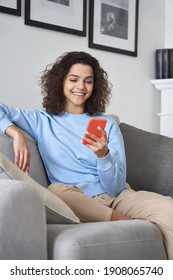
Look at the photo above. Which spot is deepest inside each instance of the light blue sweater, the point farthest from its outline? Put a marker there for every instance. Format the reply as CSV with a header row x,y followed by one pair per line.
x,y
65,158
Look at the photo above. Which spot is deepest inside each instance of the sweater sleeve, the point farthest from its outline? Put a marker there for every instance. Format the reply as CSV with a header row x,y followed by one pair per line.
x,y
112,168
26,120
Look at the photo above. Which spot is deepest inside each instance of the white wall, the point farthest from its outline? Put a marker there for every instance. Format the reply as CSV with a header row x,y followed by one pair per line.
x,y
169,24
26,50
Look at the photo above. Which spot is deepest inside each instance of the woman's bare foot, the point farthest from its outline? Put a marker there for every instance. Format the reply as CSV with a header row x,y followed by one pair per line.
x,y
118,216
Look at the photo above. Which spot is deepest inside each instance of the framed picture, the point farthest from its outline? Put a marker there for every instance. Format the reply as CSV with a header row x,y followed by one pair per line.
x,y
12,7
113,26
67,16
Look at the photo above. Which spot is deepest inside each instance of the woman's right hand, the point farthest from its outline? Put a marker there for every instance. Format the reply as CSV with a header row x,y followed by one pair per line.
x,y
21,151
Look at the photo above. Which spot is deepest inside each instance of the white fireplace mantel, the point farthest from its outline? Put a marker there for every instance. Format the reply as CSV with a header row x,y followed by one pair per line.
x,y
165,86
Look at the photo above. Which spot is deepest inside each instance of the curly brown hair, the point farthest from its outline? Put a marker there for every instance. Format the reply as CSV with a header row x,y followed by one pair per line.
x,y
51,83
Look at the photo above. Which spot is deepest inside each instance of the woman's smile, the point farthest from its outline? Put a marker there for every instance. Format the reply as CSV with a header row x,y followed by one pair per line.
x,y
78,93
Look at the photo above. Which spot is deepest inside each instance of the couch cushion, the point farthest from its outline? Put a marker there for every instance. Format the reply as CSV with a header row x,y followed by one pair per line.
x,y
118,240
57,211
149,160
37,171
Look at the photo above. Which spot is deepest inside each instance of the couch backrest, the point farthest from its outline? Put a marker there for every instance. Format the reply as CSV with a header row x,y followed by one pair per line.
x,y
37,171
149,159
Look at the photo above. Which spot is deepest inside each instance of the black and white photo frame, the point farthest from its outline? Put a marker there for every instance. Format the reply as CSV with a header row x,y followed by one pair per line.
x,y
113,26
12,7
67,16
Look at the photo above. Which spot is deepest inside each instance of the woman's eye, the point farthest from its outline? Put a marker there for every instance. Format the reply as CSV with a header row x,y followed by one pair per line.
x,y
89,81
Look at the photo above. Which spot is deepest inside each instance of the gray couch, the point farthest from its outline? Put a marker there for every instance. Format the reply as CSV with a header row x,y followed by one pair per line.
x,y
35,224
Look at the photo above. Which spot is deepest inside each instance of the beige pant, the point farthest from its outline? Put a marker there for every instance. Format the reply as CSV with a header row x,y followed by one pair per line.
x,y
138,205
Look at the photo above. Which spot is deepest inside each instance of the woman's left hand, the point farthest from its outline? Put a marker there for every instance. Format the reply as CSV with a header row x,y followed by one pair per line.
x,y
96,144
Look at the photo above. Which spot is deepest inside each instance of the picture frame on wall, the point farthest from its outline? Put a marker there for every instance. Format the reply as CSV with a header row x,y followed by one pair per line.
x,y
12,7
113,26
67,16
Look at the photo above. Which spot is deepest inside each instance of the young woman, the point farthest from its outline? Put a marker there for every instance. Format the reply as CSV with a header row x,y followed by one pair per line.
x,y
90,175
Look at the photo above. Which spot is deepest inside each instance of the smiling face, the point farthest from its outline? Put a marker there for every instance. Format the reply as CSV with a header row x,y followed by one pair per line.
x,y
78,87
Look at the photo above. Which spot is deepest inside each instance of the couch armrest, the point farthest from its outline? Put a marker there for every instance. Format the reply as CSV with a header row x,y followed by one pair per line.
x,y
22,222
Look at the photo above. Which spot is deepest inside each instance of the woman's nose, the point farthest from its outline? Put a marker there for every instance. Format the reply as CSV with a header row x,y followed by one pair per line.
x,y
80,84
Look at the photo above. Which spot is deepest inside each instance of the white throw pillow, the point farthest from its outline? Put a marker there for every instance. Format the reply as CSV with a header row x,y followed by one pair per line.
x,y
57,211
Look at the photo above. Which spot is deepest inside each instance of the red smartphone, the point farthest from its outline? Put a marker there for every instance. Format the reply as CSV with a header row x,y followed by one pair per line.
x,y
92,127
